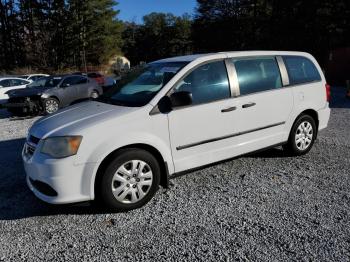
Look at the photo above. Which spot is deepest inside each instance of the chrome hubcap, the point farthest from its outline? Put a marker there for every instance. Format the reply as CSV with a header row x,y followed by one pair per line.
x,y
132,181
304,135
94,95
51,106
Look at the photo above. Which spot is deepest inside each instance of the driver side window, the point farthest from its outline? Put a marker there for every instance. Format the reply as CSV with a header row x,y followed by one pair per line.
x,y
69,81
206,83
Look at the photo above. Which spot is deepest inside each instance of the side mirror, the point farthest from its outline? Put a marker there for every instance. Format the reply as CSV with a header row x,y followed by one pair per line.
x,y
1,86
166,104
182,98
65,85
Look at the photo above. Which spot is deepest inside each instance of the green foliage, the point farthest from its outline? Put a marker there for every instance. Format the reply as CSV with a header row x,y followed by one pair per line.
x,y
315,26
48,34
58,34
95,31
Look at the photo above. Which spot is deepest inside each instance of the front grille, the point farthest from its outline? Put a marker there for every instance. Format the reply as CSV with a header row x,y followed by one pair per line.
x,y
43,188
16,100
29,149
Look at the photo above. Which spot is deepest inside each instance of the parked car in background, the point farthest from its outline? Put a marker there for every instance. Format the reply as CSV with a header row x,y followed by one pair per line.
x,y
33,77
174,115
48,94
99,78
110,83
10,83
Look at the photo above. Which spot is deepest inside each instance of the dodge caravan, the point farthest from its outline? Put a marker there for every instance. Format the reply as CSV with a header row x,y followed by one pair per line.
x,y
174,115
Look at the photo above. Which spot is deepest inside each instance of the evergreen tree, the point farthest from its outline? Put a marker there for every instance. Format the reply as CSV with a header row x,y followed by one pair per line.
x,y
95,33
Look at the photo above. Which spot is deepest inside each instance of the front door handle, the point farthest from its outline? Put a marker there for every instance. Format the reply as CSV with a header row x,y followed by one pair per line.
x,y
233,108
248,105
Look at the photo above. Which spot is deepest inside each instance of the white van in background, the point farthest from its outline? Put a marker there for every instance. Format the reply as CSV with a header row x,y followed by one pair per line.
x,y
174,115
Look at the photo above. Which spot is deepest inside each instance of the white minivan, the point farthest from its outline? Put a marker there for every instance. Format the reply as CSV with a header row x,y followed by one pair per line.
x,y
174,115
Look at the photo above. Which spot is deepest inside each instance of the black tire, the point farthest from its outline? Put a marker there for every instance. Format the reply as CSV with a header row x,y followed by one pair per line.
x,y
294,148
49,110
105,191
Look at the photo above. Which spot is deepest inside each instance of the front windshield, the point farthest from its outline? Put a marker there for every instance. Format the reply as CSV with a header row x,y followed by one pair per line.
x,y
141,84
46,82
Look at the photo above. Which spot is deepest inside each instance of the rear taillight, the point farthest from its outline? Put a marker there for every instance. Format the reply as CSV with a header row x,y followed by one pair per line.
x,y
328,92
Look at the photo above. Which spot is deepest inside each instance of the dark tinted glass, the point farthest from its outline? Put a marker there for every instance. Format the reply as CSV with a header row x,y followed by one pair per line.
x,y
34,78
93,75
207,83
46,82
257,75
18,82
301,70
74,80
81,80
5,83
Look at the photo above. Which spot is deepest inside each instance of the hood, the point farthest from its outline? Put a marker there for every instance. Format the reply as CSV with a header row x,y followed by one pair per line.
x,y
25,92
74,119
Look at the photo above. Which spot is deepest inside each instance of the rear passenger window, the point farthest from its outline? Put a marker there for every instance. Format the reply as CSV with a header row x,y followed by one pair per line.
x,y
301,70
257,74
81,80
207,83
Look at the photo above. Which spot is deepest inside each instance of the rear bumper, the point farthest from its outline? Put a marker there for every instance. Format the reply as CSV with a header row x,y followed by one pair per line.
x,y
323,117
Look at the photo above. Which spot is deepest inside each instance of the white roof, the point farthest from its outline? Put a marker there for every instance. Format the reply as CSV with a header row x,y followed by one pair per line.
x,y
190,58
9,77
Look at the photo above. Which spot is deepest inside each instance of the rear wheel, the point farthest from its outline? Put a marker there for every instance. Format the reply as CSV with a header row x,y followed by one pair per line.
x,y
51,105
130,181
302,136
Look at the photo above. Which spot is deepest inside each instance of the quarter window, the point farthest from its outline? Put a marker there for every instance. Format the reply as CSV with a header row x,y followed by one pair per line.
x,y
5,83
301,70
73,80
81,80
257,74
18,82
207,83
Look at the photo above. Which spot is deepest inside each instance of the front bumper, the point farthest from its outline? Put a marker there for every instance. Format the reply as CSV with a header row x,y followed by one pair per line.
x,y
71,183
15,105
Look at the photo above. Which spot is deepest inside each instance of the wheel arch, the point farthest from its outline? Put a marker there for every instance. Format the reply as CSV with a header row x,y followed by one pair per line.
x,y
52,96
312,113
164,178
95,90
48,97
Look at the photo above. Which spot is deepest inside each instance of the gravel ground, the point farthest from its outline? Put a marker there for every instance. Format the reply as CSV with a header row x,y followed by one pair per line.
x,y
261,207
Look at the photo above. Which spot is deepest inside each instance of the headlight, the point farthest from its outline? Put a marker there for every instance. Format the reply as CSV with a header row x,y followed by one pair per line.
x,y
60,147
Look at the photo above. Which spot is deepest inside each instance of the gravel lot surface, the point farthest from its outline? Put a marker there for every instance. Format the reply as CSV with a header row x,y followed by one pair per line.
x,y
266,206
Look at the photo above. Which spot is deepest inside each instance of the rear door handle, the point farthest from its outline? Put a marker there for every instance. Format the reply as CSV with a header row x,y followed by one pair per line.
x,y
248,105
233,108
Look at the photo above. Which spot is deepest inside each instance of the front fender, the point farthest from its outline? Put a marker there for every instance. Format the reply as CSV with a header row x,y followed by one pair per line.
x,y
106,148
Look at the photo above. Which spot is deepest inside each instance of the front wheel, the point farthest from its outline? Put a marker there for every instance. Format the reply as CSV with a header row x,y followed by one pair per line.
x,y
94,94
51,105
130,181
302,136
